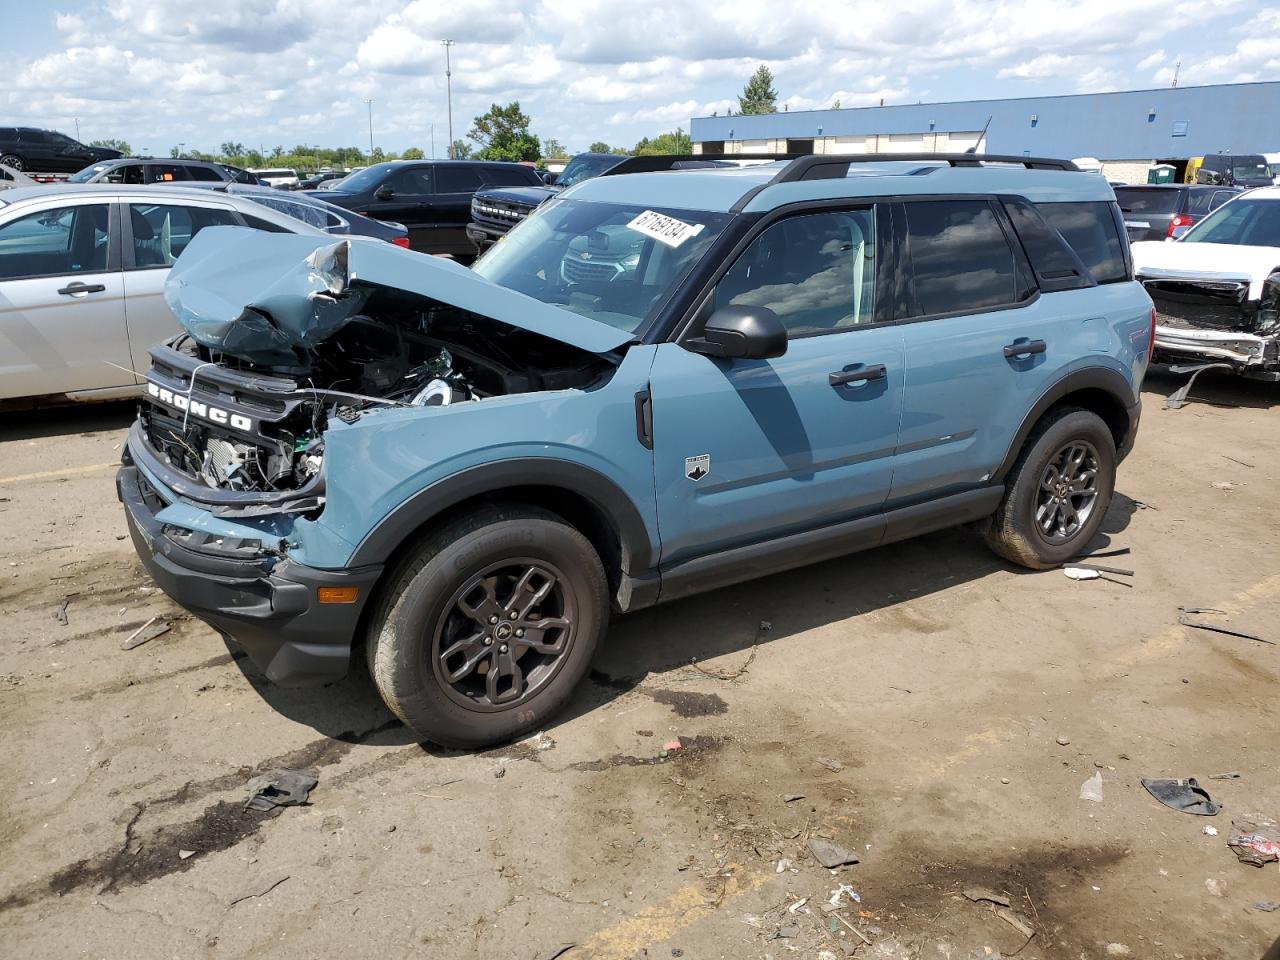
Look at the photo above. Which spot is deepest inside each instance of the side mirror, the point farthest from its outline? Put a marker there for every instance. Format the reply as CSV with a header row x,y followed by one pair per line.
x,y
741,333
384,192
550,178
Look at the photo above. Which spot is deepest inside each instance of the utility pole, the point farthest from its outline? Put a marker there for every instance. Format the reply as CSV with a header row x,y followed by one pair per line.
x,y
448,86
77,119
369,103
433,141
1177,68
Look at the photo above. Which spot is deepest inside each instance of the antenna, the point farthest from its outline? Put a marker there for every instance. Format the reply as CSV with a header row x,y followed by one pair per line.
x,y
1177,68
982,136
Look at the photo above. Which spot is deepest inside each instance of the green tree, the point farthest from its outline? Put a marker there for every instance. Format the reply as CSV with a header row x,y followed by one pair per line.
x,y
232,149
503,134
551,147
461,150
413,153
759,96
835,104
599,147
277,153
674,143
120,145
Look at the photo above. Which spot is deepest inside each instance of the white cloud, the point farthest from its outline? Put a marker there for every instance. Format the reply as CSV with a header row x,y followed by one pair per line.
x,y
299,70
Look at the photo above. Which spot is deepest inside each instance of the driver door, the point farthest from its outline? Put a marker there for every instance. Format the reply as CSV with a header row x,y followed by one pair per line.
x,y
747,451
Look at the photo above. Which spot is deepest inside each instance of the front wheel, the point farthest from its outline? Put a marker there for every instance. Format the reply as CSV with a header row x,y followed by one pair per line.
x,y
1058,491
488,626
13,162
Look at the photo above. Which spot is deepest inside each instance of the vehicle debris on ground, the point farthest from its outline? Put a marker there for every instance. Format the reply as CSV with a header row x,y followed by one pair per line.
x,y
1184,795
279,788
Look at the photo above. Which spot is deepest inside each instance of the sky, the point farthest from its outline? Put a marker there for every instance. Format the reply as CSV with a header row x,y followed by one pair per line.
x,y
285,72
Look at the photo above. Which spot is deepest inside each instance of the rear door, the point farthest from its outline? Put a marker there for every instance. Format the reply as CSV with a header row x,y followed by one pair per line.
x,y
411,202
982,347
62,317
456,184
153,237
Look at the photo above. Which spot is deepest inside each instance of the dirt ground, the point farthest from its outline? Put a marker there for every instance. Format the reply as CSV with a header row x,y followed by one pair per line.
x,y
937,709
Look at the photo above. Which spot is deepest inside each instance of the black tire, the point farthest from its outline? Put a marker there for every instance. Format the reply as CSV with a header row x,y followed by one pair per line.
x,y
13,162
422,615
1014,532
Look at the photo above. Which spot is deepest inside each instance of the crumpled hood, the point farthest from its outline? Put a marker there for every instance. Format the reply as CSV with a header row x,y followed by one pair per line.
x,y
267,297
1207,261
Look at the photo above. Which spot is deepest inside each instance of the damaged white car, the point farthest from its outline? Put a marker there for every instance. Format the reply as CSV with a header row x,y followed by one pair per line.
x,y
1217,290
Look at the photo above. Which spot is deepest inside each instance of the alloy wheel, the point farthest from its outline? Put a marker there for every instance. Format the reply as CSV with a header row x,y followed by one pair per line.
x,y
1068,492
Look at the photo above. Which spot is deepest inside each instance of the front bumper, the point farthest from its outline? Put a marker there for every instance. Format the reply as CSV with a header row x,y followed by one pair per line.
x,y
484,235
267,604
1246,352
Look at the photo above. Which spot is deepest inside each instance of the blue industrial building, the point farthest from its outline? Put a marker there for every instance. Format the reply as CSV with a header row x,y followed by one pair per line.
x,y
1133,125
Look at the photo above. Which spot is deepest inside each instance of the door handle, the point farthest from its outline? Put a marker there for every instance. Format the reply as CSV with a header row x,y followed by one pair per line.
x,y
1024,348
875,371
73,289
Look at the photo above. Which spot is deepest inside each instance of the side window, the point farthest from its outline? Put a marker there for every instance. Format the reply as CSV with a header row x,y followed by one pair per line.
x,y
519,176
162,231
1054,263
817,272
125,173
960,258
457,179
202,173
168,172
1219,198
1091,230
265,225
59,242
317,216
1198,201
413,182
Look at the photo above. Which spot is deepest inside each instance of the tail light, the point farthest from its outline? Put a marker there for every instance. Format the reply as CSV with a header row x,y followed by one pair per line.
x,y
404,242
1151,341
1179,220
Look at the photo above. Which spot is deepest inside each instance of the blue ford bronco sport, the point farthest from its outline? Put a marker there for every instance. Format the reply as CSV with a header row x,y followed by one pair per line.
x,y
659,384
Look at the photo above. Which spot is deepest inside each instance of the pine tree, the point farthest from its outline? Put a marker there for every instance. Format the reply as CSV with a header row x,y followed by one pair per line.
x,y
759,96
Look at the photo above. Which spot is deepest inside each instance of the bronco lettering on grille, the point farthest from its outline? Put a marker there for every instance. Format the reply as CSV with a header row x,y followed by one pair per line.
x,y
198,408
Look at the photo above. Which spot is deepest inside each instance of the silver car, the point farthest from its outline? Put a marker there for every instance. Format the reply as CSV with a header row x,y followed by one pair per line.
x,y
82,271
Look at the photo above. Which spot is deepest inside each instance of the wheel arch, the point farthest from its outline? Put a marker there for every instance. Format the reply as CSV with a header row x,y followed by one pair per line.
x,y
1098,389
588,500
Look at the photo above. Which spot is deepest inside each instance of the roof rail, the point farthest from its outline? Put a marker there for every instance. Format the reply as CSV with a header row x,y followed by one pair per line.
x,y
834,167
650,163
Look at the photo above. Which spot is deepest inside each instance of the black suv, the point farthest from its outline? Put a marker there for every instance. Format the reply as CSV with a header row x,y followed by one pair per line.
x,y
494,212
46,151
1168,210
138,170
430,197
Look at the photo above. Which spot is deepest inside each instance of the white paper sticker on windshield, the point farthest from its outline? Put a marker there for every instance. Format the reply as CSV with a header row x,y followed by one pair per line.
x,y
664,229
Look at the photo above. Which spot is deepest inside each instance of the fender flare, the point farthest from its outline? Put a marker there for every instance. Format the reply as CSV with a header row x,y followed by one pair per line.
x,y
1091,378
638,551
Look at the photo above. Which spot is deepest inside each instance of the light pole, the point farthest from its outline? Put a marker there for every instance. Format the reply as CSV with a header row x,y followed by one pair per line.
x,y
369,103
77,119
448,86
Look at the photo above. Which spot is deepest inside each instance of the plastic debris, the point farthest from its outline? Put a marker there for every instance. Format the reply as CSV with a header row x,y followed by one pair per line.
x,y
1215,886
1082,573
783,865
792,797
1268,906
843,889
61,613
797,905
830,854
835,766
279,788
186,854
1255,839
1222,485
1184,618
1062,741
1186,796
155,627
1210,831
1091,789
672,745
1118,950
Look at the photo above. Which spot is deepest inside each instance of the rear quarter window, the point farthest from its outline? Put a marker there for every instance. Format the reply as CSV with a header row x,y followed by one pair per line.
x,y
1091,230
511,177
1146,200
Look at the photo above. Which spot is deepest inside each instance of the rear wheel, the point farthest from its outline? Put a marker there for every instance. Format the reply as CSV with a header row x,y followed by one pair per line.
x,y
488,626
1058,491
13,162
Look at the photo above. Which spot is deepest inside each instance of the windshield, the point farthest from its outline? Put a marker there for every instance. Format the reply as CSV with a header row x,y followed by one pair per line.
x,y
585,166
87,174
1249,168
611,262
1242,221
364,179
1147,199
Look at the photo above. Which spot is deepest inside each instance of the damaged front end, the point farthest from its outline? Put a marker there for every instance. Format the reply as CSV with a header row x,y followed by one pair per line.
x,y
285,335
1218,319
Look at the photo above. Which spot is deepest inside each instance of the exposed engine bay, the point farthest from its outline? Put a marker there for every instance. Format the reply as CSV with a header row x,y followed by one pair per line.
x,y
235,425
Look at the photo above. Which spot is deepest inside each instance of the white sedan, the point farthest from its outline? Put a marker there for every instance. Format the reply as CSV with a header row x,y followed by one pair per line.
x,y
1217,289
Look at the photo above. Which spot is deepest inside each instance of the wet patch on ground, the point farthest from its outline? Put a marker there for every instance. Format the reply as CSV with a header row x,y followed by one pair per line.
x,y
692,748
688,703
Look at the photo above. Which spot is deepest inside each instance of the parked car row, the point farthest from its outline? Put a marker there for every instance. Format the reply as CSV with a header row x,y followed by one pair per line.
x,y
47,151
142,170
